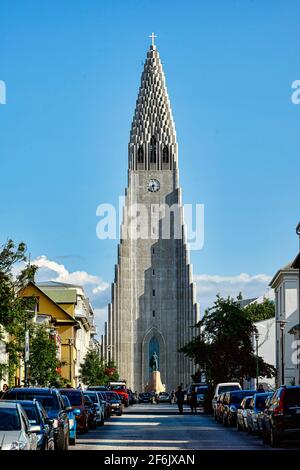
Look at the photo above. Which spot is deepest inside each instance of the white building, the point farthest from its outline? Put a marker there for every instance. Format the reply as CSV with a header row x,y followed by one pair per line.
x,y
285,283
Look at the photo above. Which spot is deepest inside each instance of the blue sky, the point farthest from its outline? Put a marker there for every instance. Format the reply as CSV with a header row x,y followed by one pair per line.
x,y
72,71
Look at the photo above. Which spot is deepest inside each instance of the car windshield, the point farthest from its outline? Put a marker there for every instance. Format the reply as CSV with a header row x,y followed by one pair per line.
x,y
292,397
201,389
49,402
9,419
237,397
75,398
227,388
260,402
92,396
32,413
112,396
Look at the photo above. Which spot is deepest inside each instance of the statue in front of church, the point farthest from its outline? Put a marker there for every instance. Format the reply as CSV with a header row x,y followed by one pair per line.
x,y
154,362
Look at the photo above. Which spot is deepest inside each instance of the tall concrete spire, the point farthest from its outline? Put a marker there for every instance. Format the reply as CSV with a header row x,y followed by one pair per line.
x,y
153,117
153,307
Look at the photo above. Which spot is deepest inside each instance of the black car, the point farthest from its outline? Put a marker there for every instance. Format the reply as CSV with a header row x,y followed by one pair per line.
x,y
281,418
145,397
115,401
52,402
232,402
89,405
39,419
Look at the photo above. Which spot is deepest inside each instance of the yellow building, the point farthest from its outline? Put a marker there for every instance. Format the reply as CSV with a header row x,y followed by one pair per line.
x,y
62,319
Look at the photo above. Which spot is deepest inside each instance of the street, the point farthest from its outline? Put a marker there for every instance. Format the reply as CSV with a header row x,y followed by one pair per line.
x,y
160,427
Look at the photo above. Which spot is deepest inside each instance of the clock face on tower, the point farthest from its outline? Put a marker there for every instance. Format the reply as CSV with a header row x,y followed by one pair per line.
x,y
153,185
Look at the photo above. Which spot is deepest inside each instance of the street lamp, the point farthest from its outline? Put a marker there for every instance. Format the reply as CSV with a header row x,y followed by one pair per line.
x,y
282,324
256,343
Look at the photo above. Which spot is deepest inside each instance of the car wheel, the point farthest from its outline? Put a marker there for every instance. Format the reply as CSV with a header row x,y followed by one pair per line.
x,y
274,440
119,413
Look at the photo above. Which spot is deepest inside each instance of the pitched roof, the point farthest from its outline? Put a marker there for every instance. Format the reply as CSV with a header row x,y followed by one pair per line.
x,y
71,319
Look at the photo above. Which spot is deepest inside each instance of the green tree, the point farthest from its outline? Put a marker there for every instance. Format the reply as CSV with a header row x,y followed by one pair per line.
x,y
92,369
95,371
43,358
223,348
16,312
258,312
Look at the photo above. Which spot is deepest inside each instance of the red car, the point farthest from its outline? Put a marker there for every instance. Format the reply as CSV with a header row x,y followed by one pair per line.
x,y
121,389
76,398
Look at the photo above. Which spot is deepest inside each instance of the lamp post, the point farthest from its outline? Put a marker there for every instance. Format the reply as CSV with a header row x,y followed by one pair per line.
x,y
256,344
282,324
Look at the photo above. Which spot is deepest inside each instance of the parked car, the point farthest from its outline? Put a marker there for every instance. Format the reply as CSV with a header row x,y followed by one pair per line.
x,y
40,423
92,411
99,406
282,416
15,430
115,403
242,414
131,396
260,415
164,397
218,414
52,401
145,397
232,402
72,421
121,389
257,406
98,388
106,404
224,387
81,413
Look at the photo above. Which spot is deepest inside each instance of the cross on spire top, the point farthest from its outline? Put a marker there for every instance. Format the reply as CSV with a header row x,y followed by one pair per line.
x,y
152,38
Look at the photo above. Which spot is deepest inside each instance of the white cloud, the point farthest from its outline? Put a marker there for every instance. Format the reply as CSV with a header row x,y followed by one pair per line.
x,y
208,286
96,288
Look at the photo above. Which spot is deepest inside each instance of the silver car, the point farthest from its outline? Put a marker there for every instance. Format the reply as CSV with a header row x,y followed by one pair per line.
x,y
15,430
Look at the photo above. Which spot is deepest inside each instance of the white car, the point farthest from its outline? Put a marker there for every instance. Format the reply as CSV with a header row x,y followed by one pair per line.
x,y
224,387
15,430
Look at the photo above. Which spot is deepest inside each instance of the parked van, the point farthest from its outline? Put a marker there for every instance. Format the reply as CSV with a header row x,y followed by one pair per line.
x,y
222,388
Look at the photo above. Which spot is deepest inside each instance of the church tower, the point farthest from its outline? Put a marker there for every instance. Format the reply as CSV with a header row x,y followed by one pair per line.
x,y
153,307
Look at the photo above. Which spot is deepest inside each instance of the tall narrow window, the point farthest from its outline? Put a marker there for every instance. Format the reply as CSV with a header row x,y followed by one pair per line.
x,y
165,155
152,149
153,313
140,155
153,292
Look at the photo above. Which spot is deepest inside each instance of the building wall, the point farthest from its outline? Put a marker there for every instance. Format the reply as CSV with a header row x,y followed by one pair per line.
x,y
286,309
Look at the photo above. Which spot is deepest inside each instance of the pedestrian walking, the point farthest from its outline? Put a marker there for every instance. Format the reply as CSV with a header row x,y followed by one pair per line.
x,y
5,388
193,402
180,399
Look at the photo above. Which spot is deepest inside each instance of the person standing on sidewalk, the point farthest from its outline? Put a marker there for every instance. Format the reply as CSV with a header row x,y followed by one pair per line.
x,y
180,399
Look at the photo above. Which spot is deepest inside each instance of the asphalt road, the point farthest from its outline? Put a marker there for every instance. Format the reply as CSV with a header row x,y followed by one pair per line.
x,y
160,427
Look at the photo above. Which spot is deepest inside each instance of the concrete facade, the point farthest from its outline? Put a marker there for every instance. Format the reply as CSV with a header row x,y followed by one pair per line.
x,y
153,295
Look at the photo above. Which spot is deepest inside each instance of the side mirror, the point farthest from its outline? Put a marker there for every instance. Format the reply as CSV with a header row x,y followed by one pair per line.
x,y
35,428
